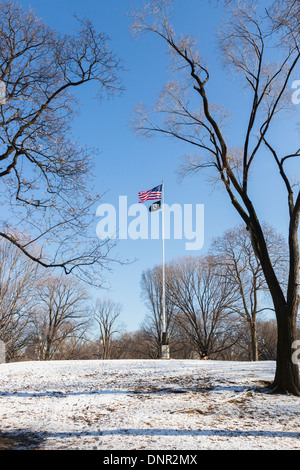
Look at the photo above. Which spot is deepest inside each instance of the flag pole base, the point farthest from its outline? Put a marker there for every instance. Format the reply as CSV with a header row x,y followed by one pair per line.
x,y
165,352
165,348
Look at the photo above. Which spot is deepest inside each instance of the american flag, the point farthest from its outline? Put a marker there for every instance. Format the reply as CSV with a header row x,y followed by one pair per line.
x,y
150,195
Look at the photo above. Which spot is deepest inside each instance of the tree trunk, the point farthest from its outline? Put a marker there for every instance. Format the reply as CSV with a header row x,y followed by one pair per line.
x,y
253,327
287,379
47,350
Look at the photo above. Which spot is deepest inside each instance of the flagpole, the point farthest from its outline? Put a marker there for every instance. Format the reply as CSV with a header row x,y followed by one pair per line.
x,y
165,344
163,263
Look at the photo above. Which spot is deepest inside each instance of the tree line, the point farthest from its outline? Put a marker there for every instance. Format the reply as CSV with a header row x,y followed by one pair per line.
x,y
45,315
214,308
213,302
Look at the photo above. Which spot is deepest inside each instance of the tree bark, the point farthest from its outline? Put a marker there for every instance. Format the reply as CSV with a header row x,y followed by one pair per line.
x,y
287,372
253,327
287,379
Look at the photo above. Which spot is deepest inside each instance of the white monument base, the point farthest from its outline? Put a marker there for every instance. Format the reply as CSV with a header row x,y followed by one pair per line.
x,y
165,351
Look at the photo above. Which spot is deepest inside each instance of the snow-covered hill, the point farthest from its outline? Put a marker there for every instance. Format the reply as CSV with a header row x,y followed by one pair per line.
x,y
147,405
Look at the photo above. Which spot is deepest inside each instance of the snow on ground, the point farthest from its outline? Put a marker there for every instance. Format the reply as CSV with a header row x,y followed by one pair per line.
x,y
144,405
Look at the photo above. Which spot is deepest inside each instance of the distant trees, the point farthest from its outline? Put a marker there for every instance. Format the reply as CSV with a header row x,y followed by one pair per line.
x,y
199,305
152,293
244,269
140,345
214,302
204,298
52,318
106,315
17,297
198,302
60,311
214,307
39,312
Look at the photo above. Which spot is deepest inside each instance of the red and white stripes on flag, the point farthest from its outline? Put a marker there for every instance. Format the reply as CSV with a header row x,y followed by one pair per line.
x,y
151,195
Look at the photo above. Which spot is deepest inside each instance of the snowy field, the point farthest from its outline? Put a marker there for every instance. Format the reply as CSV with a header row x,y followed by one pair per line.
x,y
144,405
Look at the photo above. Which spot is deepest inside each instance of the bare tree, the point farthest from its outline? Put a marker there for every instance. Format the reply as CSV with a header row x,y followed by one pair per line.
x,y
106,315
45,174
244,269
205,300
267,332
61,312
18,278
75,346
152,293
249,38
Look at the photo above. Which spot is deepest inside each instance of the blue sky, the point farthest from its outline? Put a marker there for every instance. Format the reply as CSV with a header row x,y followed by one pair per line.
x,y
127,164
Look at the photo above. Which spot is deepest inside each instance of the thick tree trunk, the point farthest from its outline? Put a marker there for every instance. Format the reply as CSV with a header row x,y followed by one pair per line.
x,y
253,327
47,350
287,379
